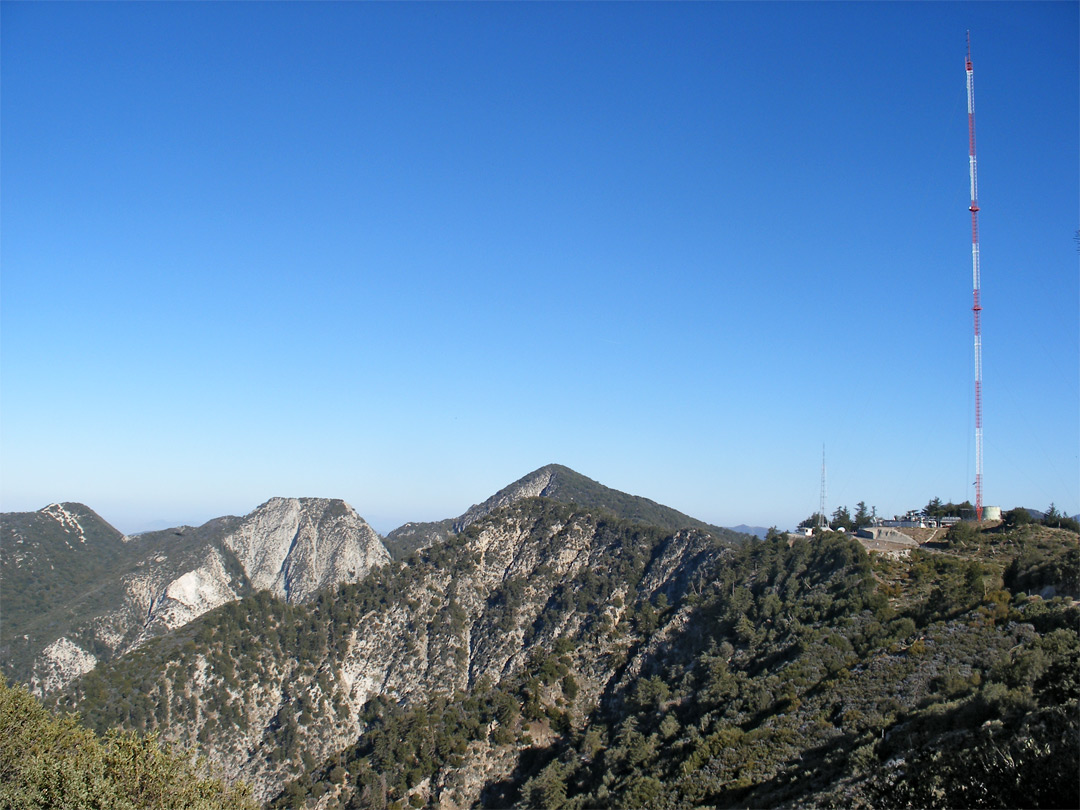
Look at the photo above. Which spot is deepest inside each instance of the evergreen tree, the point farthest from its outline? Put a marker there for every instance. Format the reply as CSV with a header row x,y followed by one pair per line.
x,y
841,519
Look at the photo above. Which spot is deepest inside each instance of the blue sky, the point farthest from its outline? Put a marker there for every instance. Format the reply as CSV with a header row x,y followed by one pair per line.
x,y
403,254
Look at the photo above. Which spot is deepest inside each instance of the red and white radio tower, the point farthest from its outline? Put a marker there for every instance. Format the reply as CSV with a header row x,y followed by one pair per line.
x,y
976,306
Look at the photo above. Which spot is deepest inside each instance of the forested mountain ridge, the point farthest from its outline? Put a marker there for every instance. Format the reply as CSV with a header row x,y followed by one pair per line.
x,y
76,591
52,560
812,675
561,484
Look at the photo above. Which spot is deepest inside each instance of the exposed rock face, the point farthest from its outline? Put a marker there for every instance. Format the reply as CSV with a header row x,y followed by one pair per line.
x,y
533,485
120,591
281,683
292,547
186,597
60,663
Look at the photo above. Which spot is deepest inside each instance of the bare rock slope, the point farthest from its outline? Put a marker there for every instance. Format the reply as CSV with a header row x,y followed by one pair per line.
x,y
76,591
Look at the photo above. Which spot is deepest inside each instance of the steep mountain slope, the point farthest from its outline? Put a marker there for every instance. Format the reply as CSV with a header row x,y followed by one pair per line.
x,y
267,689
798,674
293,547
410,537
566,486
560,484
76,591
75,588
51,558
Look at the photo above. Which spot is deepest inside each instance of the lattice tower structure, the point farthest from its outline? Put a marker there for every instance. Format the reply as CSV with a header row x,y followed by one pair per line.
x,y
976,281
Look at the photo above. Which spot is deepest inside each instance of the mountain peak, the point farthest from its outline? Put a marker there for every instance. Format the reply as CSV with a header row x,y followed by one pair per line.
x,y
72,516
294,546
537,484
561,483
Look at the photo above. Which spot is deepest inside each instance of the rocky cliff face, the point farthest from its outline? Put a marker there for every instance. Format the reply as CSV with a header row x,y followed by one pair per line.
x,y
293,547
115,592
534,485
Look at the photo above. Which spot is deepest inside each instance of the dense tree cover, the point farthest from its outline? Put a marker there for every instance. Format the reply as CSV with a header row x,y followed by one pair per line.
x,y
569,488
413,537
798,682
750,596
1052,518
1051,570
1058,520
404,748
842,518
1017,517
50,761
45,570
199,684
936,508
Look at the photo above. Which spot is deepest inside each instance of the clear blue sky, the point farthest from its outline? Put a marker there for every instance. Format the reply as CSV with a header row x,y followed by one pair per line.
x,y
403,254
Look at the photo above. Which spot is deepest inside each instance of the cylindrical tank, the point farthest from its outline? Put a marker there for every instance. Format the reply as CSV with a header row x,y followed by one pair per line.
x,y
991,513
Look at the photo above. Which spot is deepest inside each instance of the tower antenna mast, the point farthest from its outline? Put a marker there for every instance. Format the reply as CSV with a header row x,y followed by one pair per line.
x,y
823,522
976,281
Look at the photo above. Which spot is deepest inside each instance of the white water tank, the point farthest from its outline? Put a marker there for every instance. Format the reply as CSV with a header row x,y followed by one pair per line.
x,y
991,513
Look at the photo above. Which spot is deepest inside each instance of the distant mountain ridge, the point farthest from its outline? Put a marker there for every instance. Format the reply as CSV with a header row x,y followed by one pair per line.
x,y
560,484
77,591
758,531
553,652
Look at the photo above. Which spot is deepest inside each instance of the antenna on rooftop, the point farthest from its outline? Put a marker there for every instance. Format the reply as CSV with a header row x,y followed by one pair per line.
x,y
976,281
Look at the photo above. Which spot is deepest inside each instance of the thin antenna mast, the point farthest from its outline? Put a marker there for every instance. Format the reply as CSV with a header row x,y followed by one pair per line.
x,y
822,521
976,280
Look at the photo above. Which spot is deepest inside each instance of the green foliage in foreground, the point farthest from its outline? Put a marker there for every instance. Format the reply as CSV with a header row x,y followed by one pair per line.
x,y
50,761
